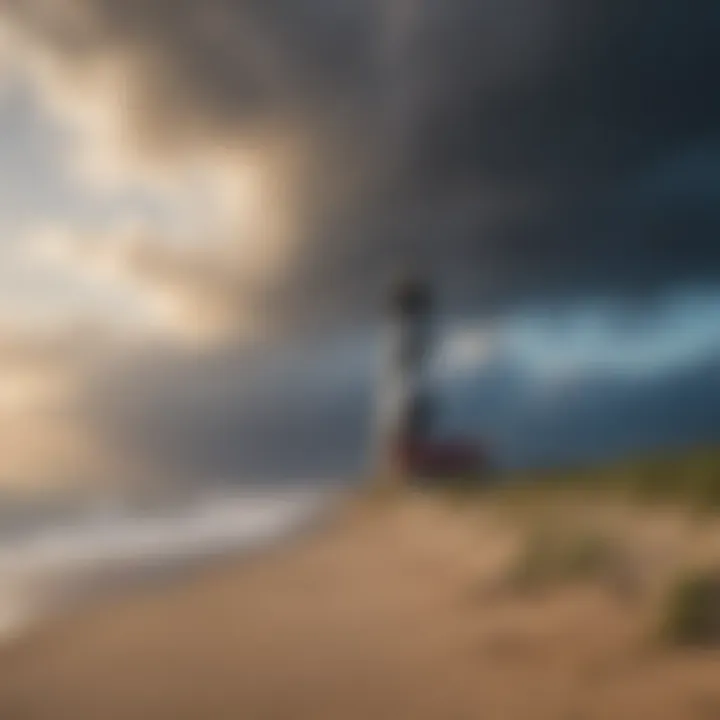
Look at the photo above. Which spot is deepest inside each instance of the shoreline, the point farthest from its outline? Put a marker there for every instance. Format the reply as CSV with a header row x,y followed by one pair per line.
x,y
385,613
148,575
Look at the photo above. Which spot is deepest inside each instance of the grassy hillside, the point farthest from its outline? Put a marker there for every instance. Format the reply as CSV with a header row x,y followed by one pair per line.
x,y
690,478
570,535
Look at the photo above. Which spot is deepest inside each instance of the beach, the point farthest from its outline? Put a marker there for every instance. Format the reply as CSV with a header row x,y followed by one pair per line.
x,y
383,613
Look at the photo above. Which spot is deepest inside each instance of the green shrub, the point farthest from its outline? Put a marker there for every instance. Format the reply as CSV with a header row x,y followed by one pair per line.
x,y
691,615
588,556
551,557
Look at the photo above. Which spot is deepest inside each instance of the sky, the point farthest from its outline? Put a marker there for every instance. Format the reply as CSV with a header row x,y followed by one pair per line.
x,y
202,206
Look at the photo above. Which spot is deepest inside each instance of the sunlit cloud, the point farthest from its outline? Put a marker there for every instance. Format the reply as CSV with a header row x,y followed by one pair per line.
x,y
44,440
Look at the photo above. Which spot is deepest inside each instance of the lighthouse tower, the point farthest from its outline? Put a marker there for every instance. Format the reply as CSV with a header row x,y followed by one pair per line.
x,y
405,404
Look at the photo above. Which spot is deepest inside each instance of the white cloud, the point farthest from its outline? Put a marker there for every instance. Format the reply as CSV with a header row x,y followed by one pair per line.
x,y
464,350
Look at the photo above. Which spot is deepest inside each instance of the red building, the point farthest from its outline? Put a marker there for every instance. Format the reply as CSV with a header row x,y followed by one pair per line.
x,y
427,458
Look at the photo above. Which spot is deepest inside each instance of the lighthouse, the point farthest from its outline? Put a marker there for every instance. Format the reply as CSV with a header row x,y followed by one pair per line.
x,y
408,444
405,414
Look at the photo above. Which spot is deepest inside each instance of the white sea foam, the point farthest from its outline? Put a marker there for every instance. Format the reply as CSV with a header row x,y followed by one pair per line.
x,y
114,547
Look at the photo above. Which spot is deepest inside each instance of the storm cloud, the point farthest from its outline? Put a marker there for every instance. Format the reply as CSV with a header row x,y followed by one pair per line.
x,y
485,140
518,152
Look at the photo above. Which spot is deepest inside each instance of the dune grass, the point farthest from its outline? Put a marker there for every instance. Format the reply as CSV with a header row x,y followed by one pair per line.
x,y
691,614
551,556
690,479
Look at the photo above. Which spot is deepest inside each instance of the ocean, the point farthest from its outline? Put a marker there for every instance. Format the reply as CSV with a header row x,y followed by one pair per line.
x,y
60,563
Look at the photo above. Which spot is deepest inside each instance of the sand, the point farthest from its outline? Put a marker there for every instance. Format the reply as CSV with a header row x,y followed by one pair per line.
x,y
385,615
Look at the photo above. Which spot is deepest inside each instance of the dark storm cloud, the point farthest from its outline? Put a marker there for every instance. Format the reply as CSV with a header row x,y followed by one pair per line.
x,y
486,140
526,164
535,180
520,151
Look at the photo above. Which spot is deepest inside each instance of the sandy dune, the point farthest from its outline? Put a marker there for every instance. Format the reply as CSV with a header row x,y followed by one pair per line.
x,y
386,615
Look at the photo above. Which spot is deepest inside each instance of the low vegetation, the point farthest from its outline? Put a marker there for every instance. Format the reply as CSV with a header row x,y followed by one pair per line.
x,y
690,479
558,550
691,613
550,557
